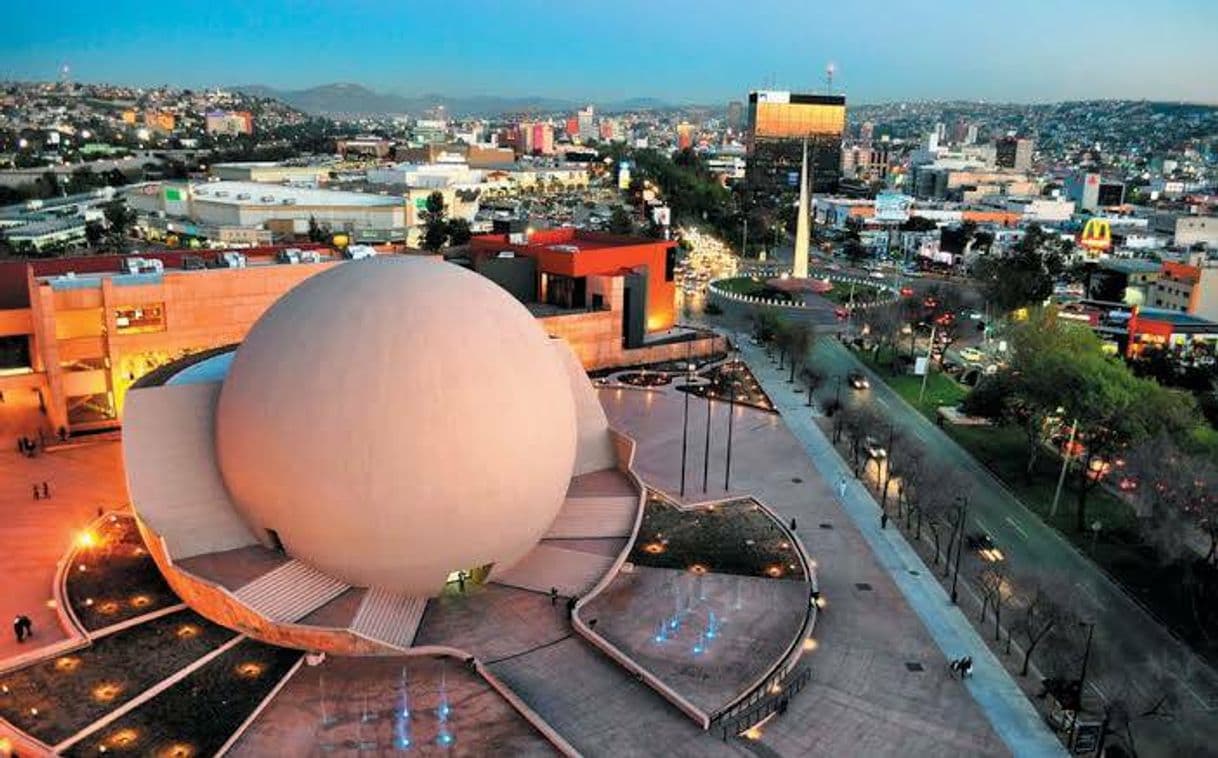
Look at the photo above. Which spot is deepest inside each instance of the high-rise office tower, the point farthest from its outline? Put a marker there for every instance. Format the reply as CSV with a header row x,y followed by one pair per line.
x,y
778,124
587,125
1013,152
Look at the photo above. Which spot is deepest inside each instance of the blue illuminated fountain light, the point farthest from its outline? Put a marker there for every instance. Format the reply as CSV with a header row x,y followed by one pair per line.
x,y
694,617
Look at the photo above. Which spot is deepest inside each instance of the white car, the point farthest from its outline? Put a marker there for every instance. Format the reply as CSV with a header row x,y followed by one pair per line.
x,y
972,355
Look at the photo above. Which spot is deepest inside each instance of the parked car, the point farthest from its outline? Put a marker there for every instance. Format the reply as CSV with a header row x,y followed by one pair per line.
x,y
972,355
858,381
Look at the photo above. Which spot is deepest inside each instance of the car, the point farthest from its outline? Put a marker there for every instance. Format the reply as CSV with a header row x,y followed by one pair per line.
x,y
874,449
985,547
877,275
858,381
907,292
972,355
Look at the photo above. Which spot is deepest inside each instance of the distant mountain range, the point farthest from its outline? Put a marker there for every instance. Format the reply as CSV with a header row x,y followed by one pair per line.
x,y
357,100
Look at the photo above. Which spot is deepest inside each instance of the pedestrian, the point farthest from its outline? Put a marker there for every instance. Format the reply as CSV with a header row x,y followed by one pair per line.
x,y
461,581
792,524
27,625
553,596
19,629
841,486
966,667
36,495
46,491
883,519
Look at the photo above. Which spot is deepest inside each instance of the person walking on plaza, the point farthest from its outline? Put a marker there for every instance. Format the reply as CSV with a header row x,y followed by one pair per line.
x,y
36,495
46,491
19,629
553,596
792,524
841,486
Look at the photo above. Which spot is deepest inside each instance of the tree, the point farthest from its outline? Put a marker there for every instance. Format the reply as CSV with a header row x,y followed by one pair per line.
x,y
95,231
1025,276
1044,611
799,339
459,232
436,232
620,222
812,380
991,585
854,251
857,423
119,220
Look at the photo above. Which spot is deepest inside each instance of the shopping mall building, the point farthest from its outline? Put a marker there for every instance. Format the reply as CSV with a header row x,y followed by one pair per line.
x,y
76,333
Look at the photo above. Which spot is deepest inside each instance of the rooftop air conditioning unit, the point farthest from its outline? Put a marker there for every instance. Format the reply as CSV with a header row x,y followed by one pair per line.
x,y
289,201
268,198
243,196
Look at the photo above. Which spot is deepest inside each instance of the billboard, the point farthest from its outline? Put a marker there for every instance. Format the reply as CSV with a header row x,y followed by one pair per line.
x,y
1096,237
892,206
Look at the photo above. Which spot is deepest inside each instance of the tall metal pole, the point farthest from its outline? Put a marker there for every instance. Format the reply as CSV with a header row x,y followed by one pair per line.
x,y
929,349
959,547
1082,675
1061,478
744,239
731,415
706,450
685,430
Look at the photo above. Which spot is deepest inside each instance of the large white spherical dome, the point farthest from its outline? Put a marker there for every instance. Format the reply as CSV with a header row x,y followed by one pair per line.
x,y
397,419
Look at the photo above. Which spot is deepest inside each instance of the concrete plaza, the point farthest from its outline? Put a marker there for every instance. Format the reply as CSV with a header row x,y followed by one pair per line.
x,y
36,534
879,682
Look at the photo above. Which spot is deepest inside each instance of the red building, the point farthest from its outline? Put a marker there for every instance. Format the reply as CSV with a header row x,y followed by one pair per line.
x,y
560,262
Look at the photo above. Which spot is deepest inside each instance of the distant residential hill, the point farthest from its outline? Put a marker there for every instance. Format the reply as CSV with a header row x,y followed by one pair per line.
x,y
357,100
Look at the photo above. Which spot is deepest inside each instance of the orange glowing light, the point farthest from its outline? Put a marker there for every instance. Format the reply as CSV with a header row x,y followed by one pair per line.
x,y
698,568
810,644
177,750
107,691
123,738
108,607
67,663
140,601
774,571
250,670
86,539
654,548
187,631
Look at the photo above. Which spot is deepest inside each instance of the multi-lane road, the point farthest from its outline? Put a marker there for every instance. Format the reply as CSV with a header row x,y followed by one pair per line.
x,y
1129,632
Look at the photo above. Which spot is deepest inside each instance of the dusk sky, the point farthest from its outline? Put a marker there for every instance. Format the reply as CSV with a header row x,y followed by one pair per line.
x,y
704,52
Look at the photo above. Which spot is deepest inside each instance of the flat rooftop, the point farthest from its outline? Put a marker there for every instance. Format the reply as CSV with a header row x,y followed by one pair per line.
x,y
1175,317
260,194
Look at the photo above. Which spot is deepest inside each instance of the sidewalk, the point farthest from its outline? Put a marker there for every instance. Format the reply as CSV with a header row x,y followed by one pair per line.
x,y
1004,704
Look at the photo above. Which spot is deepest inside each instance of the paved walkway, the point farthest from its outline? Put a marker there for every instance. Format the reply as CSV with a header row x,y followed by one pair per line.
x,y
37,533
1004,704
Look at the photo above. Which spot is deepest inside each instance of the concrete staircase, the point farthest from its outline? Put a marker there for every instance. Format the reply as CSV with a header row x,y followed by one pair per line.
x,y
599,505
290,592
573,572
389,617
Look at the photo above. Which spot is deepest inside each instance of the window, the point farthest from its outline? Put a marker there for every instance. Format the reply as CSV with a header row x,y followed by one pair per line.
x,y
136,319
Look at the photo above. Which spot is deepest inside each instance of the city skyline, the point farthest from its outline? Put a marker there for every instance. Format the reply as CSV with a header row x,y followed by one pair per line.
x,y
881,52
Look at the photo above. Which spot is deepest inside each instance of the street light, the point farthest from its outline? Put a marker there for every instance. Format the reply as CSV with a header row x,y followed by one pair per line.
x,y
706,450
731,414
959,544
689,375
1082,674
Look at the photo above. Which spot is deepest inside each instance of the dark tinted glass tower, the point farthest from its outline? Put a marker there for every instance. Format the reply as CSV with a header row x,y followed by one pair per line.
x,y
778,123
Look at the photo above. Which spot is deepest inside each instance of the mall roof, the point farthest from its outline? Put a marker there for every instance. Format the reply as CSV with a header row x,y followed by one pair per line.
x,y
257,193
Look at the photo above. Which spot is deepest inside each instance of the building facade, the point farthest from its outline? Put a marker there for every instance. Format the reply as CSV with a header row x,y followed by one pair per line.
x,y
778,124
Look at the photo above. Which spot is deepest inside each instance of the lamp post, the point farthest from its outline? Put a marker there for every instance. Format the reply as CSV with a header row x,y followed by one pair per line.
x,y
689,373
731,415
959,545
1082,674
706,450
